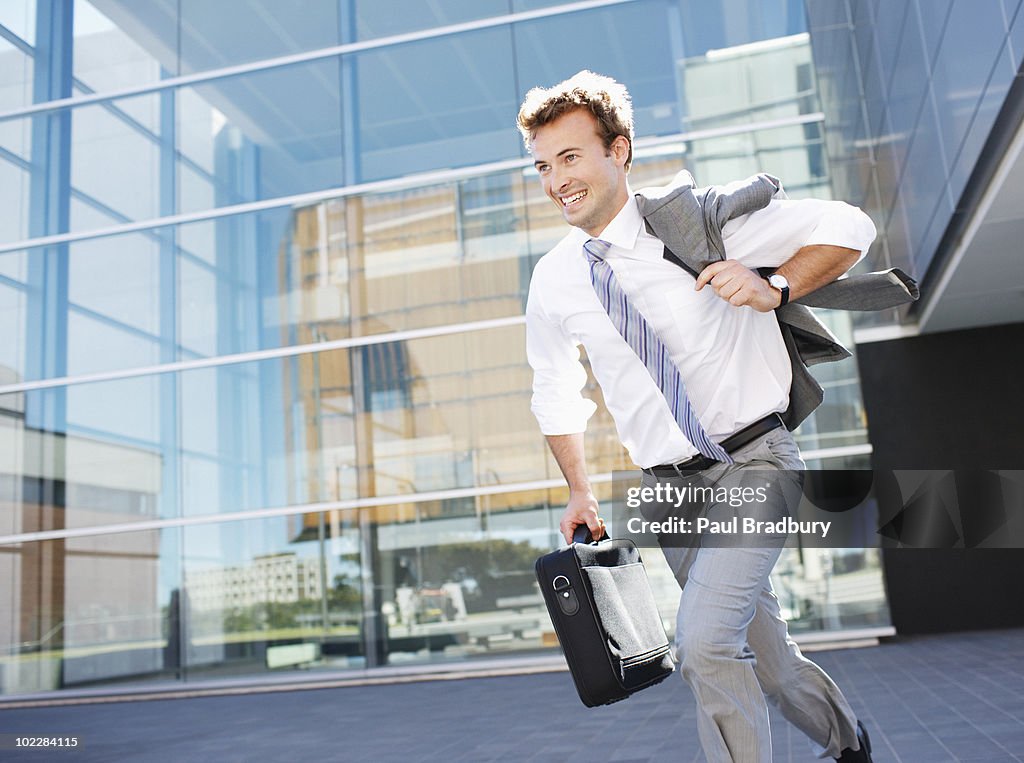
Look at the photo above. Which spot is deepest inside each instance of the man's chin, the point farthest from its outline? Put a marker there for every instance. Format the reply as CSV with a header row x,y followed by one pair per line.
x,y
574,217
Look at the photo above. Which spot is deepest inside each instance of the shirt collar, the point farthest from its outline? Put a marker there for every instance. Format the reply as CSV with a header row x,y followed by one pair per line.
x,y
622,232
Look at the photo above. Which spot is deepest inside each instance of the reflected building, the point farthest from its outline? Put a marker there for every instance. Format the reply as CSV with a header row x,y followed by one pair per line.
x,y
262,284
272,579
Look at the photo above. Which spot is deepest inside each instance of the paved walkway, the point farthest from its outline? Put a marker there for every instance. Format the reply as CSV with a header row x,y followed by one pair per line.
x,y
925,700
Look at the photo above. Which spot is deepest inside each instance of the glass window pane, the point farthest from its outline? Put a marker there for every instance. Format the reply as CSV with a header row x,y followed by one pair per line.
x,y
631,43
426,257
531,5
751,83
260,136
115,158
429,414
16,75
450,412
231,32
19,16
92,340
16,67
13,305
244,139
456,581
830,589
436,104
375,19
131,299
275,594
707,26
87,610
793,154
442,254
14,205
119,45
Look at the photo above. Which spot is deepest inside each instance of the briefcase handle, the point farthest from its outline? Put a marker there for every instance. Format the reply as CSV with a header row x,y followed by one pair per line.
x,y
582,535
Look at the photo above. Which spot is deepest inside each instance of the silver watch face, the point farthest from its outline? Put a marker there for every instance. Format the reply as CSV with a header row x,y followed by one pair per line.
x,y
778,281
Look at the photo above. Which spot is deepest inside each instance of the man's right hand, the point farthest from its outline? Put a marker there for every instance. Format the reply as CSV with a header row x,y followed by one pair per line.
x,y
582,509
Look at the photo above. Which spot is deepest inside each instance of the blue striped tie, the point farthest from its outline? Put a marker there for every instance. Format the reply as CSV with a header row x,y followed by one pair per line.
x,y
648,347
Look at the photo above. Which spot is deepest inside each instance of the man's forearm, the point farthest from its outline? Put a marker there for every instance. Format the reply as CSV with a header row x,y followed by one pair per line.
x,y
816,265
569,454
582,508
810,268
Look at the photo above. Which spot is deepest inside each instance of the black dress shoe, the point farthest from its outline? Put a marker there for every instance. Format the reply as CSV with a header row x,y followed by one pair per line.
x,y
863,755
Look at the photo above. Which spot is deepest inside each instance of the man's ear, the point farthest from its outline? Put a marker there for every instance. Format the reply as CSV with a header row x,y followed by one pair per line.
x,y
620,149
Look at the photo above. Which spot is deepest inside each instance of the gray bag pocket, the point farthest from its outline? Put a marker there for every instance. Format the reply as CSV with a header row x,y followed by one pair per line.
x,y
633,631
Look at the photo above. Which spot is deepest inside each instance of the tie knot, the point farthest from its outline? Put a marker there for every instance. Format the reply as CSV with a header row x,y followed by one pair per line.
x,y
596,249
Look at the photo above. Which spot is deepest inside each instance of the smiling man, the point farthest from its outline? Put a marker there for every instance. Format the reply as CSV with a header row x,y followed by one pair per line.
x,y
691,358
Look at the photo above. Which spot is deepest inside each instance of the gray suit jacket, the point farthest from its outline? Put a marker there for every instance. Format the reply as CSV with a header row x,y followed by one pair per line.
x,y
689,222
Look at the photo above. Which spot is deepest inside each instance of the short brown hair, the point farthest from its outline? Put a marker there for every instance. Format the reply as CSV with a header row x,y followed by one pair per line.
x,y
602,96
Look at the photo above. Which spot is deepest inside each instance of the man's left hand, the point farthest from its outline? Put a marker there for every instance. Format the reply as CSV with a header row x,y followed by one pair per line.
x,y
739,285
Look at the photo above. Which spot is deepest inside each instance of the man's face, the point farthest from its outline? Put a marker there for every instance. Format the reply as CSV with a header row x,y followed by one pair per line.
x,y
585,181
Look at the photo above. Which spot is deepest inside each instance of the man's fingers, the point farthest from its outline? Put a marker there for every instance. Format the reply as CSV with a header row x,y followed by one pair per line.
x,y
582,511
727,287
595,526
710,272
732,282
738,296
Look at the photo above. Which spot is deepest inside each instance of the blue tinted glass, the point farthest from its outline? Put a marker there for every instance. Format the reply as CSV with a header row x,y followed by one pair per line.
x,y
425,257
259,136
530,5
121,314
19,17
119,45
115,161
959,80
376,19
14,201
707,26
229,32
16,67
12,324
448,102
631,43
291,579
229,141
125,411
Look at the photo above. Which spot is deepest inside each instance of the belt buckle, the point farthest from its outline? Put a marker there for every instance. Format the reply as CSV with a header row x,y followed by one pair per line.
x,y
698,465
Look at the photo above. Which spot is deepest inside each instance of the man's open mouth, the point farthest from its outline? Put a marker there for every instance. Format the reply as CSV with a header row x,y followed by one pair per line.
x,y
567,200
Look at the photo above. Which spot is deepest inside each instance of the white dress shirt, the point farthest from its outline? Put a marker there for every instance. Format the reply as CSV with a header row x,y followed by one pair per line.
x,y
732,359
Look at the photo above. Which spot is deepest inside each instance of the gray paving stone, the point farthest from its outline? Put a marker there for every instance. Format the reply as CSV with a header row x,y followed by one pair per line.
x,y
956,697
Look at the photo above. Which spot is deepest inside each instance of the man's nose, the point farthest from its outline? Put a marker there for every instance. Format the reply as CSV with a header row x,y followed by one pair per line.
x,y
559,179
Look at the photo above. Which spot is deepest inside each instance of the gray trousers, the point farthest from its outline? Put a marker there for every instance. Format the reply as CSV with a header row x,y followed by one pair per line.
x,y
732,643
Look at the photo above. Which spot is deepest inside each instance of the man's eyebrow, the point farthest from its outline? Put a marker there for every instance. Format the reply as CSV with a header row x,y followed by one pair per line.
x,y
560,153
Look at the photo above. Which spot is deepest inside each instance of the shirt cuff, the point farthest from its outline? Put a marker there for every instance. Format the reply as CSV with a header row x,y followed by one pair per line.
x,y
563,418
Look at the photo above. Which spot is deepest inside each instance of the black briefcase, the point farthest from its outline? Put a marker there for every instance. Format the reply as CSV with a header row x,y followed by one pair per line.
x,y
605,617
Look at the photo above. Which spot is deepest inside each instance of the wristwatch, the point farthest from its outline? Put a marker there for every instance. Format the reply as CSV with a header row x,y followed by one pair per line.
x,y
777,281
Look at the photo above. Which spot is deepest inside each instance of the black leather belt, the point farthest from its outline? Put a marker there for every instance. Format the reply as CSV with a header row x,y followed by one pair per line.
x,y
730,444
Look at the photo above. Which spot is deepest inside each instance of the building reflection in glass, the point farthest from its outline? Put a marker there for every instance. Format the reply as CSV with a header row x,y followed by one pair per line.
x,y
316,412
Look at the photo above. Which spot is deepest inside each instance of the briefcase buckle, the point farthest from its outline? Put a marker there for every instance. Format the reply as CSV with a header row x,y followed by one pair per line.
x,y
567,600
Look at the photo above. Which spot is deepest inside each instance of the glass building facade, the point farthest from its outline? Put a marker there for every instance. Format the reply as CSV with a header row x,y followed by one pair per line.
x,y
264,402
910,114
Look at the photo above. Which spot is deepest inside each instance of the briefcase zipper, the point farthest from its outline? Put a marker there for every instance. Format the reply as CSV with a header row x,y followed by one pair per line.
x,y
650,656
